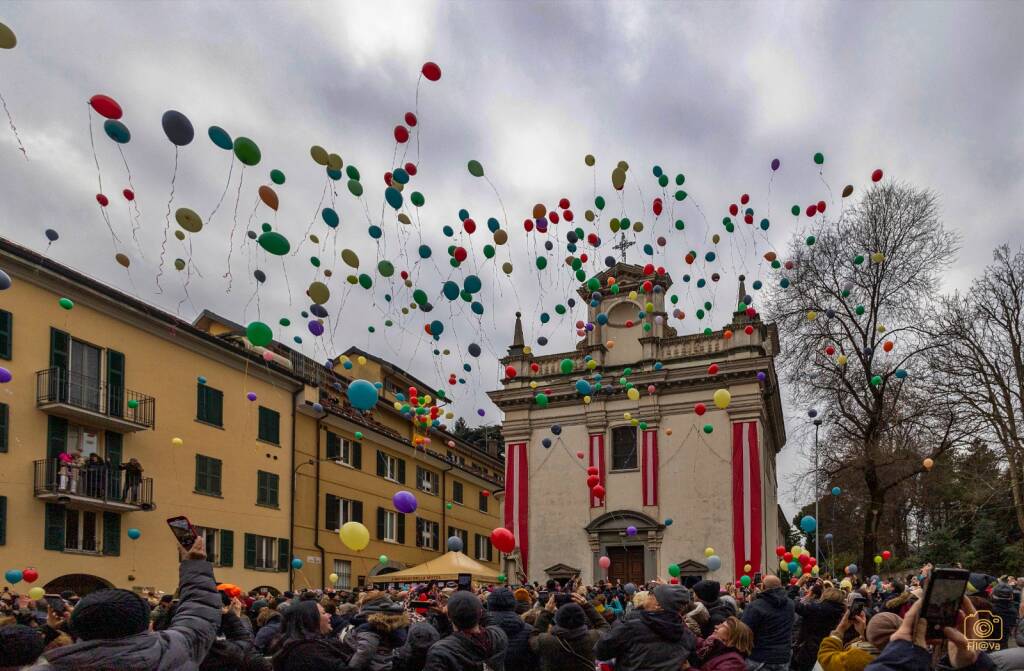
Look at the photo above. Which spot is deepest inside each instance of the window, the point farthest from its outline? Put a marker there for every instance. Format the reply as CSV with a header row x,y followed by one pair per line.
x,y
341,510
84,378
426,480
210,537
220,545
343,569
210,405
483,550
390,526
623,448
348,452
80,530
456,491
4,419
269,429
207,475
427,534
462,534
391,468
482,503
267,488
6,334
266,553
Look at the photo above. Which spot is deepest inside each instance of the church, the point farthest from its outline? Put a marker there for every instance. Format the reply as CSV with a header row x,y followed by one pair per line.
x,y
677,474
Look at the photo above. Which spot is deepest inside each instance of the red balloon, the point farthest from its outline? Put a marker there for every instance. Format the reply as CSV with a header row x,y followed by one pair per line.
x,y
567,215
812,210
553,217
31,575
102,200
598,491
700,409
128,194
648,286
583,258
106,106
657,207
807,569
749,218
713,369
629,323
410,118
401,134
528,225
460,254
803,559
593,481
535,367
592,470
579,455
821,206
503,539
830,350
469,225
734,210
649,269
563,203
745,198
673,581
792,581
484,493
780,551
748,329
388,177
431,71
876,176
788,556
410,168
404,274
510,372
812,561
885,553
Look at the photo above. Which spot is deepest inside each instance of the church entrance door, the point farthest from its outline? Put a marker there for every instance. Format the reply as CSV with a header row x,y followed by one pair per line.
x,y
627,564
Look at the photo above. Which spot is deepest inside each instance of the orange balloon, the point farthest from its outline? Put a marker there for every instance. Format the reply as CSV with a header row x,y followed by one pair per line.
x,y
268,196
539,211
770,256
727,334
888,346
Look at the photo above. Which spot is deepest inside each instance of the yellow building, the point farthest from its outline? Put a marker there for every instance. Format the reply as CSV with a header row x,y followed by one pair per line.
x,y
120,379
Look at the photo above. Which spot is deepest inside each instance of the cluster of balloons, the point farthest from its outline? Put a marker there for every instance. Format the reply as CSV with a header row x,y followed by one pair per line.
x,y
14,576
886,555
797,560
420,410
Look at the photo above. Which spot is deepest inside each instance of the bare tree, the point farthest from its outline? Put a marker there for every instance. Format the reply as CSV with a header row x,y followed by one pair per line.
x,y
871,277
982,362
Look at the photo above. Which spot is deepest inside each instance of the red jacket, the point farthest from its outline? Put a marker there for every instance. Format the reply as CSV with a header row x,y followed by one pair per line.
x,y
717,656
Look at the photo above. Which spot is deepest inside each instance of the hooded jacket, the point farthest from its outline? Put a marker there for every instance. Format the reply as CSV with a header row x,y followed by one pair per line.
x,y
770,617
180,647
501,613
412,656
719,611
371,648
462,652
653,641
268,632
567,650
235,649
817,619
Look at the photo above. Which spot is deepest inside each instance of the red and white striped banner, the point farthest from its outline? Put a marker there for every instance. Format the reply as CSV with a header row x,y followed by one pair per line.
x,y
649,467
597,459
746,496
517,498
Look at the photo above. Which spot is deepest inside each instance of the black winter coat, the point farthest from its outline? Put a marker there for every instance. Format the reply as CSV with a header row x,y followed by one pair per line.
x,y
719,611
770,617
817,619
654,641
460,652
501,614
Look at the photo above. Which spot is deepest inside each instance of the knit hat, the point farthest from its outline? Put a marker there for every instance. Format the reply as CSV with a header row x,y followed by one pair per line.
x,y
707,590
109,613
421,636
672,597
501,599
20,645
881,627
570,616
523,595
464,609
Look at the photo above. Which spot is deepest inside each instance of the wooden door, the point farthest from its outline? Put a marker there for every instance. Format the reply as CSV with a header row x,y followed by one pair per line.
x,y
627,564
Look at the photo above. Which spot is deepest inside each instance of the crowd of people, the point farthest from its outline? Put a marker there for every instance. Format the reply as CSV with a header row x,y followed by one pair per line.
x,y
848,625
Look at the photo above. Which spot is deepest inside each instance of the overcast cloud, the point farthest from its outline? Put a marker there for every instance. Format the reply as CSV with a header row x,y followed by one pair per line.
x,y
933,93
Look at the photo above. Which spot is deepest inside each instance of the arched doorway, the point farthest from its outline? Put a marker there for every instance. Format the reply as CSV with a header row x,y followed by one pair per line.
x,y
79,583
634,558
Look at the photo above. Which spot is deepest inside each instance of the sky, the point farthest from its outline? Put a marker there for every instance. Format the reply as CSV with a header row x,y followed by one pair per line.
x,y
932,93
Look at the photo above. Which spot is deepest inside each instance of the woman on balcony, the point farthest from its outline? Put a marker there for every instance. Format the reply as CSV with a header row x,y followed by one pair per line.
x,y
132,480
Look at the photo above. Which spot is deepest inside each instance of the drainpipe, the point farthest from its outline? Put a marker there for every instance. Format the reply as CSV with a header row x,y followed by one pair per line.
x,y
316,508
291,507
444,508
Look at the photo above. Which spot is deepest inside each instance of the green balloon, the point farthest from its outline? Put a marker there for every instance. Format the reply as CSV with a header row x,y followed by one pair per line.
x,y
502,577
355,188
284,321
795,210
859,310
811,240
275,243
673,570
859,259
352,172
365,281
247,151
386,268
542,263
259,334
276,176
876,380
599,202
542,400
475,168
66,303
680,195
417,198
489,251
819,158
419,296
708,428
566,365
179,264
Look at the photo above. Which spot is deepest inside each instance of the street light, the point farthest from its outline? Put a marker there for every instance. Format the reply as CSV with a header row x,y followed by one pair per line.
x,y
817,519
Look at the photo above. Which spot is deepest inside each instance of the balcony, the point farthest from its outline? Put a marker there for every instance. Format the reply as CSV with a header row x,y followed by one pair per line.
x,y
100,488
88,401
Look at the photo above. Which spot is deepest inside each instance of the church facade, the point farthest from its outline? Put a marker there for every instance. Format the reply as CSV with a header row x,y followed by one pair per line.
x,y
674,482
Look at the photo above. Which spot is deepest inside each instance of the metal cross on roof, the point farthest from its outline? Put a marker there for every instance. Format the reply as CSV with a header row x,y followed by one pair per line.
x,y
622,245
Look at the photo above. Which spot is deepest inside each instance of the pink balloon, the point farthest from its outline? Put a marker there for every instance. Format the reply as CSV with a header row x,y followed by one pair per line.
x,y
604,562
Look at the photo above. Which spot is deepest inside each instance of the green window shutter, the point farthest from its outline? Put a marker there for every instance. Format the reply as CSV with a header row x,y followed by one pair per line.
x,y
227,547
357,456
4,419
53,538
217,407
201,401
201,478
357,511
400,536
6,334
483,502
419,531
269,428
284,558
111,534
114,447
333,446
332,519
382,465
380,524
401,471
3,520
261,487
209,405
60,346
214,469
273,489
56,436
115,383
250,551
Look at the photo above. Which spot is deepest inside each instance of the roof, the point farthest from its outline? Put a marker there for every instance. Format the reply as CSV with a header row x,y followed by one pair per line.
x,y
446,567
384,363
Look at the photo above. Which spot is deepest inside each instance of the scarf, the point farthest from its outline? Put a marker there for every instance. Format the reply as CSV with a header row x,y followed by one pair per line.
x,y
480,639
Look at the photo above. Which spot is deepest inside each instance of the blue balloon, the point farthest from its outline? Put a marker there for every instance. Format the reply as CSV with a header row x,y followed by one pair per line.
x,y
836,491
828,537
13,576
714,563
794,567
853,569
117,131
134,534
493,225
668,522
330,217
583,387
546,442
296,563
450,290
220,137
454,544
362,394
5,281
556,429
900,374
51,235
808,524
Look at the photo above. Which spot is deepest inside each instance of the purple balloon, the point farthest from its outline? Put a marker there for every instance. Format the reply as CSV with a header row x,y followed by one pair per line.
x,y
405,502
761,377
480,411
631,531
5,376
776,163
251,396
315,327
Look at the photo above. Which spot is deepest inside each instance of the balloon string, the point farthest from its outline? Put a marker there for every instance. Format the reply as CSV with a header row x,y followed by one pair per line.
x,y
167,218
227,185
106,218
14,129
231,238
137,218
92,143
319,208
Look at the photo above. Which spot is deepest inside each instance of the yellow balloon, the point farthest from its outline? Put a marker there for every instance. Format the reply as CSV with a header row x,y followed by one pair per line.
x,y
177,442
783,565
361,360
796,550
343,358
354,535
722,399
632,295
881,328
587,400
533,385
634,422
708,551
36,593
398,406
527,350
333,578
815,569
633,394
841,359
811,315
747,568
627,416
427,399
592,364
877,257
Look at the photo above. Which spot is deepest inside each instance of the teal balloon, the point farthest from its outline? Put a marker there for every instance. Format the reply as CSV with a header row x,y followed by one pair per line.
x,y
450,290
330,217
134,534
13,576
836,491
400,176
334,174
425,252
375,232
583,387
276,176
472,284
220,137
275,243
296,563
477,307
393,196
436,328
808,524
247,151
362,394
117,131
